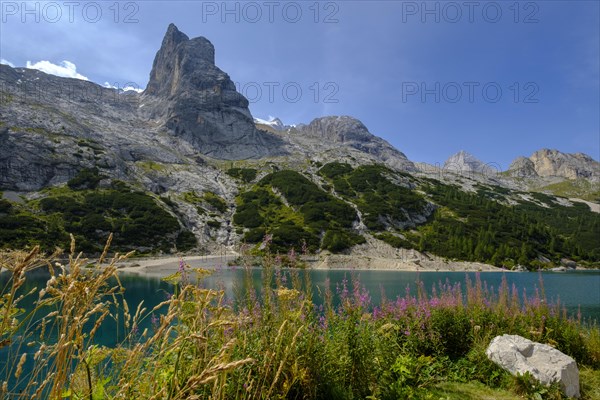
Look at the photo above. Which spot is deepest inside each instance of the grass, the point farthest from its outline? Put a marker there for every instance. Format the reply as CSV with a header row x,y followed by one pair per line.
x,y
590,382
150,166
270,342
470,391
580,188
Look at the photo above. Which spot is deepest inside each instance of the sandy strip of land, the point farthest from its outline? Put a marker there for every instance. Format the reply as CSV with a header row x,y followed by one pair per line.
x,y
337,261
163,266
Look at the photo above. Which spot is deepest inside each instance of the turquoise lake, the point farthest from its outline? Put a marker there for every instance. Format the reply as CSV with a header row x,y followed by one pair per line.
x,y
578,291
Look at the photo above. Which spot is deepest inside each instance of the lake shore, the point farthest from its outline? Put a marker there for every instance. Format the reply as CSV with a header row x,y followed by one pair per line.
x,y
166,265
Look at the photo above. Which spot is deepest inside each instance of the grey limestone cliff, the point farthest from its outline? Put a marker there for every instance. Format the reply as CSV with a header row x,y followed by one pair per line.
x,y
198,102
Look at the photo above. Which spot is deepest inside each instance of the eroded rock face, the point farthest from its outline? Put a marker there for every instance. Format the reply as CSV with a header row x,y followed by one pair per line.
x,y
347,131
553,163
522,167
464,163
571,166
518,355
198,102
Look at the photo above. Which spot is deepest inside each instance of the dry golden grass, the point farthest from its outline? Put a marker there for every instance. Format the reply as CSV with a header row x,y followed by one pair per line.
x,y
267,345
68,364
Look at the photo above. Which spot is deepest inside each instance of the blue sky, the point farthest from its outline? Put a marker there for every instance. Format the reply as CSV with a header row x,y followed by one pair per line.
x,y
497,79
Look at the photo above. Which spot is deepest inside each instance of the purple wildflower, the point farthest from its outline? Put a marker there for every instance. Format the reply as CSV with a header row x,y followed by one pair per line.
x,y
154,320
292,255
182,272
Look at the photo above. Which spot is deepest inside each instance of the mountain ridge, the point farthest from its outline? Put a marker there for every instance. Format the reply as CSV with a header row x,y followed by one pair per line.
x,y
188,145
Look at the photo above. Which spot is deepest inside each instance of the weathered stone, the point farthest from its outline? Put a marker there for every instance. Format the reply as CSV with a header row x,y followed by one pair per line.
x,y
522,167
344,132
553,163
518,355
195,100
465,164
568,263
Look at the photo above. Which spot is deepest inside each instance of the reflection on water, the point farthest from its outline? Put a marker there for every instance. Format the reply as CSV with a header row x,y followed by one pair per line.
x,y
577,290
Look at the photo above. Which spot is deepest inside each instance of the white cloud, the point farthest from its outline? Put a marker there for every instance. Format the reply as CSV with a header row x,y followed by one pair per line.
x,y
125,89
66,69
135,89
6,62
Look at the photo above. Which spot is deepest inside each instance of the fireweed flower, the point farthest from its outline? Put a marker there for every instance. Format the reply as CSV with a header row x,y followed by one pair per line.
x,y
154,320
182,272
323,322
292,255
304,247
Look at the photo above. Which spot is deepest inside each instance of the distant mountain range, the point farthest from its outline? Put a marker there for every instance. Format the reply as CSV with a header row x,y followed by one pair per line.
x,y
81,158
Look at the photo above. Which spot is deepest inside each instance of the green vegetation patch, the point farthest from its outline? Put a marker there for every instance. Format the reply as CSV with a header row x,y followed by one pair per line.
x,y
245,175
336,240
580,188
215,201
383,204
472,226
135,218
206,200
310,215
150,166
87,178
394,240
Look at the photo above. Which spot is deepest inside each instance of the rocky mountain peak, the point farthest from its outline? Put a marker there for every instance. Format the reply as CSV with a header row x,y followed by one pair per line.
x,y
336,129
553,163
195,100
173,37
179,58
274,123
333,131
522,167
464,162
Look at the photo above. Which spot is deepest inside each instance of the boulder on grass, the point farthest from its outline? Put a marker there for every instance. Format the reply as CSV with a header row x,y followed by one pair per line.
x,y
518,355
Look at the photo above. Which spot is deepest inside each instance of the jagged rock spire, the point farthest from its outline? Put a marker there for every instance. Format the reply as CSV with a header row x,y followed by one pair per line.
x,y
177,58
198,102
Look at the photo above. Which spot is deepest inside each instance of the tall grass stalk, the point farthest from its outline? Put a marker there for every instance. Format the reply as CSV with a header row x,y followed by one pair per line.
x,y
269,342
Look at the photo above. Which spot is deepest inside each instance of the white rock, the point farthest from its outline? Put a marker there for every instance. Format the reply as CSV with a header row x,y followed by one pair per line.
x,y
518,355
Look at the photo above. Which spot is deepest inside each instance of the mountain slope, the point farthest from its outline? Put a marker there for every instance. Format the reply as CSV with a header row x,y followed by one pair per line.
x,y
184,166
343,137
